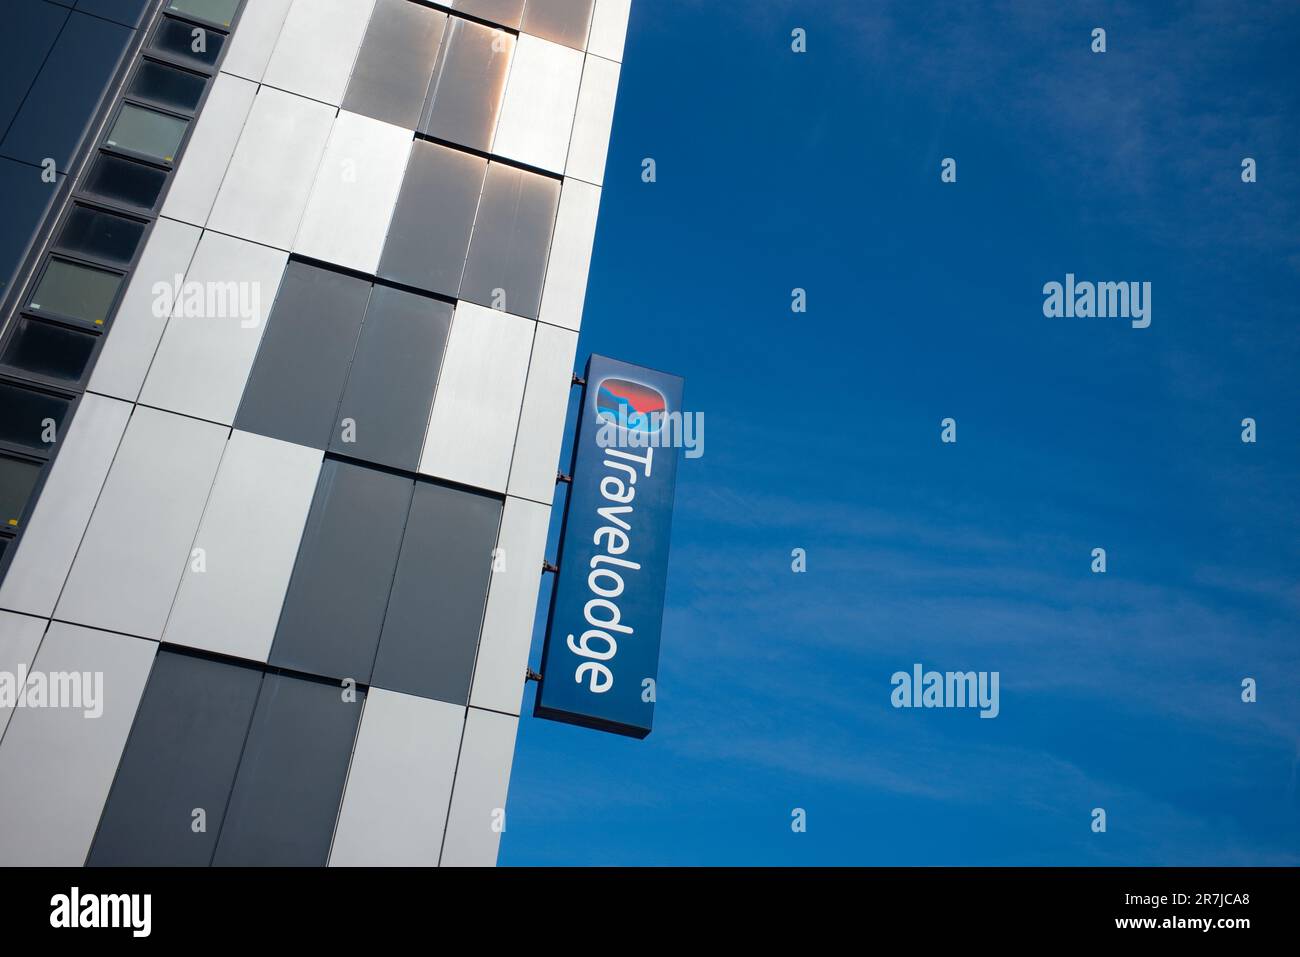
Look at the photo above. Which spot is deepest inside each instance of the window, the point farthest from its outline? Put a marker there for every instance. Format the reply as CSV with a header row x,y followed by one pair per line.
x,y
33,420
560,21
49,350
125,181
221,12
168,86
507,256
101,235
466,92
147,132
179,39
429,234
17,479
76,291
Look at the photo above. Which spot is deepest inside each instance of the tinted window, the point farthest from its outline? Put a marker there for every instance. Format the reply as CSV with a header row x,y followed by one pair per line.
x,y
168,86
182,755
147,132
17,478
125,181
180,39
512,235
77,291
214,11
465,95
392,379
430,231
46,349
290,781
297,380
31,417
101,235
431,630
334,608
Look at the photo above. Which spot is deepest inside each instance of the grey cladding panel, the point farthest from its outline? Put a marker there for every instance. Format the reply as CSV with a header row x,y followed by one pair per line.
x,y
391,383
392,72
294,388
182,755
436,609
335,606
286,795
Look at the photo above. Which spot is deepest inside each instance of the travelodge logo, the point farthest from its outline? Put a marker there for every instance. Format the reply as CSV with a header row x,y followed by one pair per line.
x,y
630,405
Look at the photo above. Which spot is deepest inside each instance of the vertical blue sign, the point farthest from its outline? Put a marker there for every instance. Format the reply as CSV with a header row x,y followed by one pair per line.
x,y
600,663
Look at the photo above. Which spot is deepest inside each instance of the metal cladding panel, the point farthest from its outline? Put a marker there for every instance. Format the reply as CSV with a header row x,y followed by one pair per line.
x,y
399,785
346,219
203,167
389,392
472,429
317,47
560,21
601,657
230,602
541,97
124,360
286,795
181,758
57,764
609,29
20,636
207,350
508,13
478,802
512,604
54,532
392,72
430,231
546,406
594,121
465,96
335,607
254,40
271,173
568,268
435,610
138,541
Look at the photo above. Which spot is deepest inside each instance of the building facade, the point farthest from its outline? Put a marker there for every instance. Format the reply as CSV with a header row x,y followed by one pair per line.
x,y
286,361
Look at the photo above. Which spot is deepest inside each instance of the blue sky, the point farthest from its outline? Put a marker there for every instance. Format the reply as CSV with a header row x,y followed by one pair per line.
x,y
821,171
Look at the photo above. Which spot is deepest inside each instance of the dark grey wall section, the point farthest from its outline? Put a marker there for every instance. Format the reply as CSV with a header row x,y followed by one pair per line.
x,y
182,754
129,12
512,236
392,72
393,376
294,388
429,234
560,21
74,78
435,612
334,608
505,12
28,29
468,85
290,781
25,200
